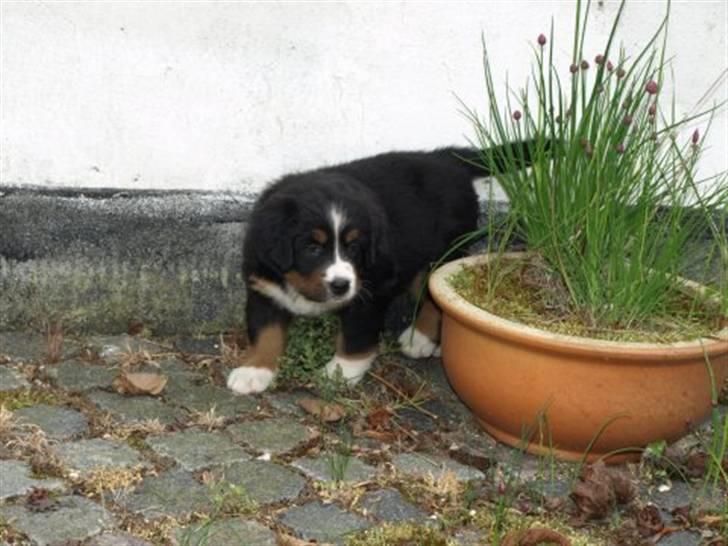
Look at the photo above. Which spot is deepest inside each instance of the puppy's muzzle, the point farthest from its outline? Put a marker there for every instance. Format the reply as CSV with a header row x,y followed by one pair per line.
x,y
339,286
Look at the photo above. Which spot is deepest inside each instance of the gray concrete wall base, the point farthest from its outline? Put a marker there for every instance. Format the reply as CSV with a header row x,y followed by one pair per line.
x,y
97,260
171,260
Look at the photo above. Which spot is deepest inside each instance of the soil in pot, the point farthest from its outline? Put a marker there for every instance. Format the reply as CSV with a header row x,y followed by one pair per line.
x,y
526,290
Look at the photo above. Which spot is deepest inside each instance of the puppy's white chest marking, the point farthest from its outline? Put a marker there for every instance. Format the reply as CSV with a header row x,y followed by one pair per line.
x,y
292,301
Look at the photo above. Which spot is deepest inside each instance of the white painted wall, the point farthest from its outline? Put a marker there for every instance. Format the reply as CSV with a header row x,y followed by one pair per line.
x,y
226,96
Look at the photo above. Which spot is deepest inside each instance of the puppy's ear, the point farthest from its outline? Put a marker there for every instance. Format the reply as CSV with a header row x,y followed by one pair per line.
x,y
379,253
272,233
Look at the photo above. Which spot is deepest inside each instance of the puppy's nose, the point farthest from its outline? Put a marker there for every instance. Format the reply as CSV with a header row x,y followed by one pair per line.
x,y
339,286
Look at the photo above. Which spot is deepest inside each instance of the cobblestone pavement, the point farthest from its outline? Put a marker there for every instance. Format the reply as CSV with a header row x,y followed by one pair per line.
x,y
82,464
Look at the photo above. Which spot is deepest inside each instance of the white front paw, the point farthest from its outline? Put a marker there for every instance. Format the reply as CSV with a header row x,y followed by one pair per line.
x,y
415,344
351,370
248,379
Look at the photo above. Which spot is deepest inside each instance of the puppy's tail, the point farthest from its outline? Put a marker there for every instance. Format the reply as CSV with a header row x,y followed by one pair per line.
x,y
495,159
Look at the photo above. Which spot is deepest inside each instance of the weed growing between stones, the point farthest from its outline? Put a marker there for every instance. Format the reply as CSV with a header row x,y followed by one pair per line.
x,y
339,458
28,442
402,534
24,398
228,500
310,347
110,482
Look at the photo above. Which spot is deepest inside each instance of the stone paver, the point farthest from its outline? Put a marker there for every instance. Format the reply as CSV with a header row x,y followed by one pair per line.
x,y
195,450
190,345
271,435
330,467
76,375
264,482
390,505
30,347
202,398
11,380
234,532
58,423
681,494
133,409
74,518
117,539
322,522
287,402
175,493
86,456
681,538
113,347
16,480
422,466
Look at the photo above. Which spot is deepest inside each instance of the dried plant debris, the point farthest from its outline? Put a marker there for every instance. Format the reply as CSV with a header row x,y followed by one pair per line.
x,y
134,383
600,489
534,537
40,500
649,521
328,412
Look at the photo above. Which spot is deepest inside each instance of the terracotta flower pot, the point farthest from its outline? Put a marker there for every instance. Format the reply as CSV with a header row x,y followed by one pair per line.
x,y
562,393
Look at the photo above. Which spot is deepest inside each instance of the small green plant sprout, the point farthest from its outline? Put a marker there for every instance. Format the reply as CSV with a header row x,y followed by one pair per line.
x,y
339,459
612,201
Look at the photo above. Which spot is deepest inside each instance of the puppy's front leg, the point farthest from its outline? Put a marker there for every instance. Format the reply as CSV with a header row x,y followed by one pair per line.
x,y
267,325
357,342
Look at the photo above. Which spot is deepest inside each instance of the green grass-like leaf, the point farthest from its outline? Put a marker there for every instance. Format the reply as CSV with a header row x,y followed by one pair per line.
x,y
611,202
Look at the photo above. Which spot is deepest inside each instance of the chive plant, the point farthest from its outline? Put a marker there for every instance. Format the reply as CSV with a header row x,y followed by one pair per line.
x,y
612,201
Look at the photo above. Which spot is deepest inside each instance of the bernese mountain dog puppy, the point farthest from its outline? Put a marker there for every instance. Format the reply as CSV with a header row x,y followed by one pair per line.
x,y
348,239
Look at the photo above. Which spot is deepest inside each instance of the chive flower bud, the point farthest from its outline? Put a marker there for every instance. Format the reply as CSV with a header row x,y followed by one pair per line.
x,y
599,59
620,148
696,137
621,72
627,120
610,66
651,87
652,110
541,40
573,68
517,115
584,64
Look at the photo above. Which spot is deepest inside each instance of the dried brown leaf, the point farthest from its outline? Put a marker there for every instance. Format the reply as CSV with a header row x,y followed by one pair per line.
x,y
39,500
326,411
649,521
624,489
139,383
593,494
534,537
379,418
599,489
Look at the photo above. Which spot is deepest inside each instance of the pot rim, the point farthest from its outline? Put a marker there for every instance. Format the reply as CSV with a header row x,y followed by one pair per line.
x,y
475,317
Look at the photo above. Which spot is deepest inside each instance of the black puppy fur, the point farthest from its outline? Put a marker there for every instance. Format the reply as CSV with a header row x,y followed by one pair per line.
x,y
399,213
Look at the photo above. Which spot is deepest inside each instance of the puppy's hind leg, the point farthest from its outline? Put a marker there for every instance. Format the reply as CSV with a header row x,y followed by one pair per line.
x,y
267,325
422,339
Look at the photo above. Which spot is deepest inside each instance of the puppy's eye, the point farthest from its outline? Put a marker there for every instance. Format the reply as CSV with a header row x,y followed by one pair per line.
x,y
314,250
352,248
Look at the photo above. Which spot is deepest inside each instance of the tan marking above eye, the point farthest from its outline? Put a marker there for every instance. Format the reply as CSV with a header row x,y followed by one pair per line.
x,y
320,236
352,236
